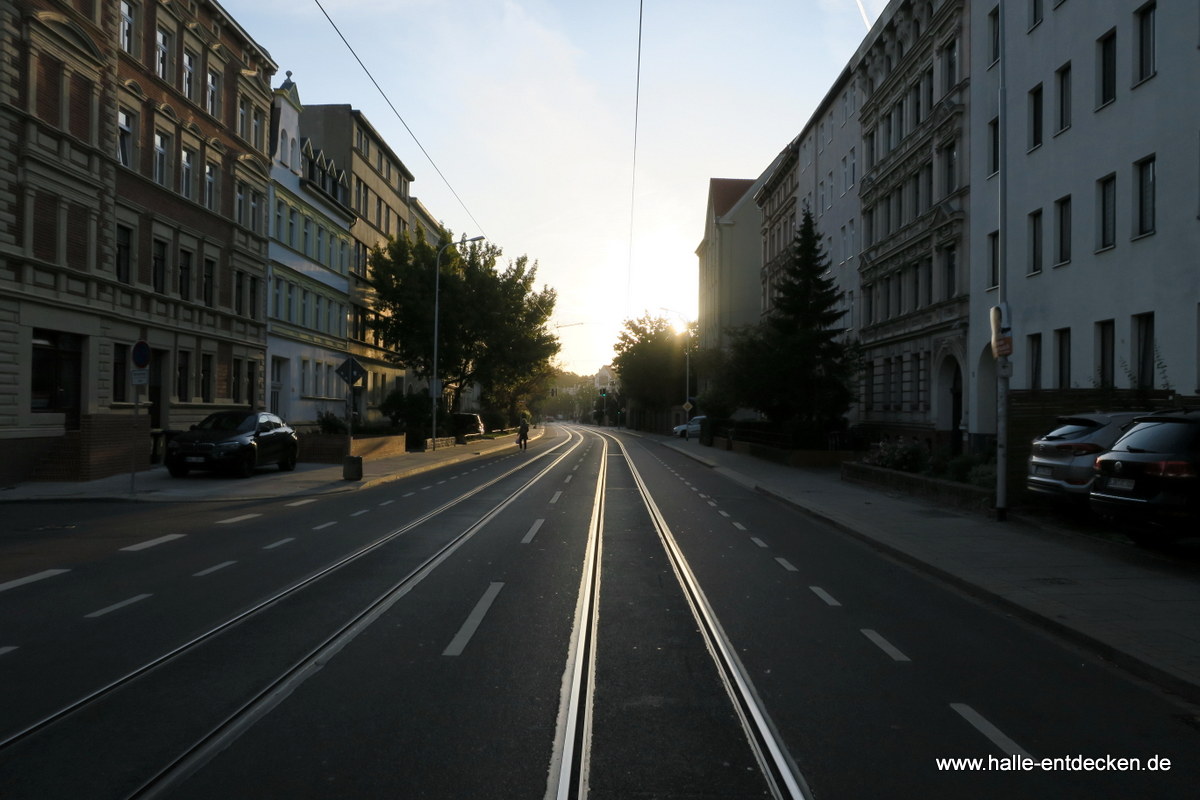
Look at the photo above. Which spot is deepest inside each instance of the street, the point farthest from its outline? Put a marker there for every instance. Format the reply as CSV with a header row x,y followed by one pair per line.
x,y
597,616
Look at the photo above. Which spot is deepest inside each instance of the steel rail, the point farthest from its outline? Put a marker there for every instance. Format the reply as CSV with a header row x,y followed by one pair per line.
x,y
177,652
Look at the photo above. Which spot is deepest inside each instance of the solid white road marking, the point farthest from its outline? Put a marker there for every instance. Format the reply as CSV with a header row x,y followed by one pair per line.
x,y
786,565
989,730
211,570
554,499
237,519
884,645
824,595
324,525
37,576
170,537
116,606
459,643
6,650
302,502
280,543
758,541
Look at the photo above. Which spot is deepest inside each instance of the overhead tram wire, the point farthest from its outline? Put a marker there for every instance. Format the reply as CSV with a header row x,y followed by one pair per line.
x,y
388,100
637,96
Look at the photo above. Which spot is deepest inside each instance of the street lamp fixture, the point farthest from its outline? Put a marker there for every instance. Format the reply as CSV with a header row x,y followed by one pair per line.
x,y
435,390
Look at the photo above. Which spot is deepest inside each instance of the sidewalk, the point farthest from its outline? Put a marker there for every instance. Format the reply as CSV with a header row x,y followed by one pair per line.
x,y
1132,608
1138,611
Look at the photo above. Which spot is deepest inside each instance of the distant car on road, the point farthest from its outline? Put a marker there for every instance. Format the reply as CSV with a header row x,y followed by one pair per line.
x,y
1061,462
234,441
1150,479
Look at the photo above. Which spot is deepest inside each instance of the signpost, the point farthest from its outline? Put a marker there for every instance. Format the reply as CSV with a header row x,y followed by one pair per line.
x,y
351,372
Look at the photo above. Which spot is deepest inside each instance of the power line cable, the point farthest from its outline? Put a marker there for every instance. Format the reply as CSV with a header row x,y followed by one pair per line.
x,y
388,100
637,96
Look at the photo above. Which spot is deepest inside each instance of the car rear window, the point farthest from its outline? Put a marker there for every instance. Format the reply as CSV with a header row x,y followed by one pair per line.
x,y
1167,436
1073,429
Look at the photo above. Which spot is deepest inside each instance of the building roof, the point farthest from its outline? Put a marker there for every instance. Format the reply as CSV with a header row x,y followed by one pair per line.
x,y
725,192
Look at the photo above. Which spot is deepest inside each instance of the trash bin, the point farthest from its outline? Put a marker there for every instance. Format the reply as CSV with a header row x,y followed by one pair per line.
x,y
352,468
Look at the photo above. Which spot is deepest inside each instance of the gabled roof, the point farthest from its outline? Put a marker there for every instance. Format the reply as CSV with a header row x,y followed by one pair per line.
x,y
723,193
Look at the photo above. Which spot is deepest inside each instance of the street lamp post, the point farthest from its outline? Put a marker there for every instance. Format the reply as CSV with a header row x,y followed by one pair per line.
x,y
687,361
434,388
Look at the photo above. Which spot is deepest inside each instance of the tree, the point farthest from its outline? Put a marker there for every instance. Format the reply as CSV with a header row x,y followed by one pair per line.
x,y
492,325
796,366
650,360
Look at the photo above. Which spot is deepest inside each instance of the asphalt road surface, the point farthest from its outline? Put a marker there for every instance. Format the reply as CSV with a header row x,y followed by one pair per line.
x,y
597,616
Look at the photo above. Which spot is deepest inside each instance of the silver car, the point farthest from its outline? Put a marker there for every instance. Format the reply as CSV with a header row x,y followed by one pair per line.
x,y
1061,462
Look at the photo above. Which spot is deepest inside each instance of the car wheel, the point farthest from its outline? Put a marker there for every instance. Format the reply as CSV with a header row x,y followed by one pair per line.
x,y
288,462
245,467
177,470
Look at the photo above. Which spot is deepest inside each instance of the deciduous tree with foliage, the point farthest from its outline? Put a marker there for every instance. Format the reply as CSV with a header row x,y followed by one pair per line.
x,y
796,366
493,325
650,360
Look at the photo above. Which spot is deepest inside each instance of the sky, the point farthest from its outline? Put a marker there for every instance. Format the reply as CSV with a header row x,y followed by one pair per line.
x,y
529,110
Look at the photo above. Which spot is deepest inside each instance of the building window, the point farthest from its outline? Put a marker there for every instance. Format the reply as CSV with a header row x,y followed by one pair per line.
x,y
1035,117
950,66
56,374
158,265
124,253
1063,81
243,118
212,93
950,168
1106,192
994,259
162,53
1062,230
1106,354
206,378
187,172
1145,196
1143,332
239,292
950,271
256,130
185,275
128,27
125,138
183,369
236,381
1106,68
293,219
1145,43
162,155
209,284
1034,344
239,203
255,211
210,186
190,61
1035,13
994,146
253,303
994,35
1062,358
1035,241
120,373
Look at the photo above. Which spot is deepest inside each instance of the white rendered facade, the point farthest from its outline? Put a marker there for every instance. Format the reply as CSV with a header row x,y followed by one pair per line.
x,y
308,286
1099,257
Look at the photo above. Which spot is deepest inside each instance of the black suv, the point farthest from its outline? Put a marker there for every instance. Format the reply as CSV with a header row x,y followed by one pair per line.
x,y
238,441
1151,477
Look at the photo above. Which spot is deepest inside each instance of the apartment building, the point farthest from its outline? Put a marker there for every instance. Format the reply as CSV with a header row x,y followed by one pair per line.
x,y
311,252
380,199
729,260
1098,254
133,181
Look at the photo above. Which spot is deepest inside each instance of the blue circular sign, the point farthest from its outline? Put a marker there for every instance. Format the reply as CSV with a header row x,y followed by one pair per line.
x,y
141,355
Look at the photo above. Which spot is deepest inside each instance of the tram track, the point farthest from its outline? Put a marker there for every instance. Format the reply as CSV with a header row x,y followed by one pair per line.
x,y
274,690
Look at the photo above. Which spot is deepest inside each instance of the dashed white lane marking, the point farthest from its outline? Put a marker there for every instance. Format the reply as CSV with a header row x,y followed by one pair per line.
x,y
324,525
724,514
758,541
554,499
302,502
739,526
213,569
237,519
408,494
387,502
783,562
824,595
568,479
711,503
360,513
459,642
170,537
6,650
989,730
532,531
884,645
115,606
34,578
280,543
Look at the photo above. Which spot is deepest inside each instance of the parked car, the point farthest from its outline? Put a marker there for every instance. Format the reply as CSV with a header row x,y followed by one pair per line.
x,y
467,424
1061,462
236,441
679,430
1150,479
693,426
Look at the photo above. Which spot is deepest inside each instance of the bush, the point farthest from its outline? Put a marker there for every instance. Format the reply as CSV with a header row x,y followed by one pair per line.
x,y
901,456
330,422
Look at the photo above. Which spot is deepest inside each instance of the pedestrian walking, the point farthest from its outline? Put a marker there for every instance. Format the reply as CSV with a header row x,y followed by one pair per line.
x,y
523,435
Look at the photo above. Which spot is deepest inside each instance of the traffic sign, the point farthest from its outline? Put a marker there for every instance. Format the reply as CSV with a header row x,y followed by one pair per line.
x,y
139,376
351,371
141,354
688,406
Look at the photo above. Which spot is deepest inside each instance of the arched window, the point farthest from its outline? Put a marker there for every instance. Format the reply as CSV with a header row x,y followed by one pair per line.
x,y
295,153
283,147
